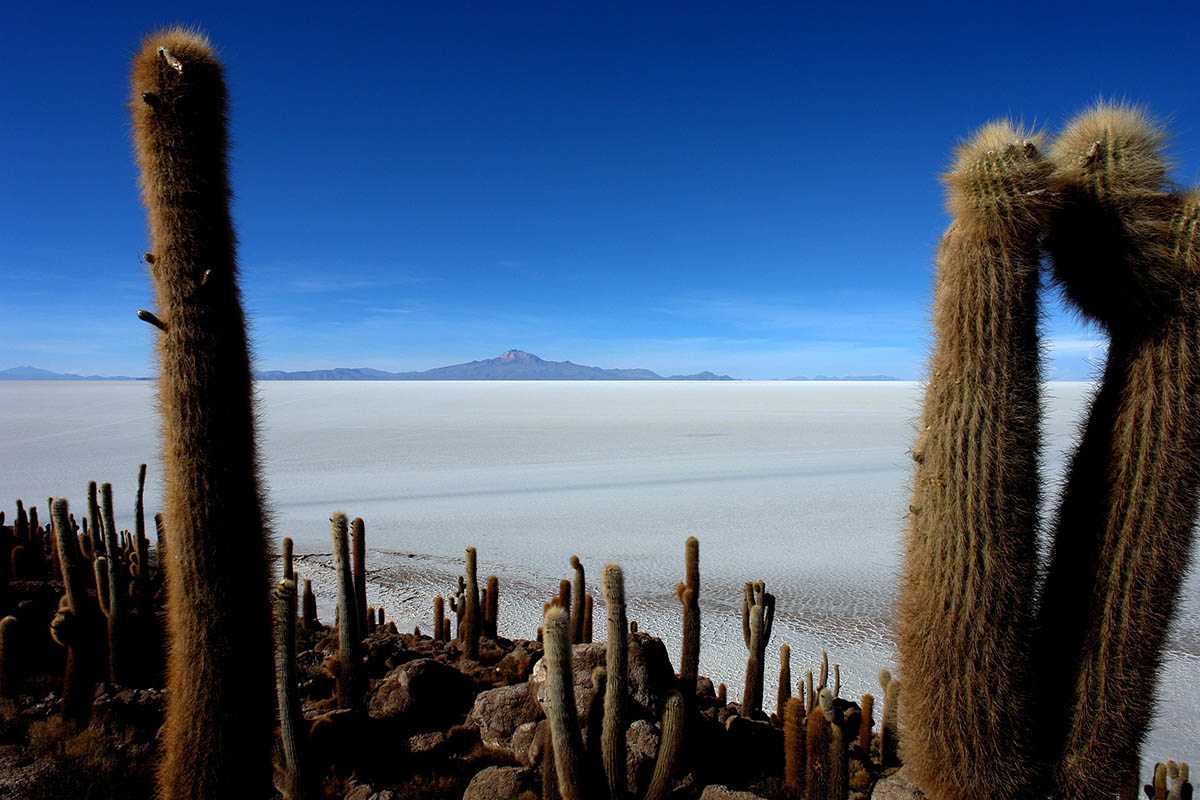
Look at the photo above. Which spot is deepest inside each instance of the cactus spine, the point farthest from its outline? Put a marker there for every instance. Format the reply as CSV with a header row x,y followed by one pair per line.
x,y
1127,253
888,731
577,608
967,585
293,782
688,594
348,669
612,745
560,688
758,613
218,720
470,619
358,535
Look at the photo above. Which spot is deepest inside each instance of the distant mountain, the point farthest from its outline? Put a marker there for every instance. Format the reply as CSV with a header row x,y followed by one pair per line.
x,y
513,365
35,374
846,378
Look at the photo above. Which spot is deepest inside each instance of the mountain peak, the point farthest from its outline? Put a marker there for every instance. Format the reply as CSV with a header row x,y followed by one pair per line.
x,y
519,356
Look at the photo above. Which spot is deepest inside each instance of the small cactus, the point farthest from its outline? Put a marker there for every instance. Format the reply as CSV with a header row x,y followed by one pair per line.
x,y
470,619
758,614
358,537
688,594
439,619
577,609
819,746
794,748
289,570
784,691
310,620
491,608
348,669
10,656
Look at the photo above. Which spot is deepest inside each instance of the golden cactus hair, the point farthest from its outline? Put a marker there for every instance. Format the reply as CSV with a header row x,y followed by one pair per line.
x,y
217,740
965,605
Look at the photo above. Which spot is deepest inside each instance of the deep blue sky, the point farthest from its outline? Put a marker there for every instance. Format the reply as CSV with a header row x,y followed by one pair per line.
x,y
751,189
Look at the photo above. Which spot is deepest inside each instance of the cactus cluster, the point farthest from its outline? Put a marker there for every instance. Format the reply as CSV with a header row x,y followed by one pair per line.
x,y
973,617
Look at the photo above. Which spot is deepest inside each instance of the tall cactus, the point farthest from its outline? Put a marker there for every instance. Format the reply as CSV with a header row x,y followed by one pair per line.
x,y
577,608
1127,252
358,538
293,781
688,595
612,744
560,691
348,663
115,609
72,625
217,740
471,622
967,585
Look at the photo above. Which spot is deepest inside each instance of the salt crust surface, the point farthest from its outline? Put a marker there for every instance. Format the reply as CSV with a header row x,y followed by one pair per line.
x,y
800,484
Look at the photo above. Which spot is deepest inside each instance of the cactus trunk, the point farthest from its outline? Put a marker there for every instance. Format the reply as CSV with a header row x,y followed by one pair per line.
x,y
967,586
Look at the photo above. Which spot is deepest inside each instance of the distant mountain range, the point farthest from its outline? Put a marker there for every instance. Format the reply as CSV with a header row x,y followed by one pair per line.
x,y
513,365
35,374
846,378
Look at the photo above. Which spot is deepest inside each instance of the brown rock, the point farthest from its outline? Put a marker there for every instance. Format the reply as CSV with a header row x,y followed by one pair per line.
x,y
499,712
427,694
499,783
724,793
650,675
641,748
897,786
524,739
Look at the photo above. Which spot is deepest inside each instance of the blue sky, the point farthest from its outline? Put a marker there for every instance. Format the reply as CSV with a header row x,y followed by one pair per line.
x,y
747,188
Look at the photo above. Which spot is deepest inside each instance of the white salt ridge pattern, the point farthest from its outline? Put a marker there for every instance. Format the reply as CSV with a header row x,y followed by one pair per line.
x,y
803,485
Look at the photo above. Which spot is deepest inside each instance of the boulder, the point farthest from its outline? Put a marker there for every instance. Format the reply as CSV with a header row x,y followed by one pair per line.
x,y
426,695
524,739
651,675
715,792
641,749
499,712
897,786
499,783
